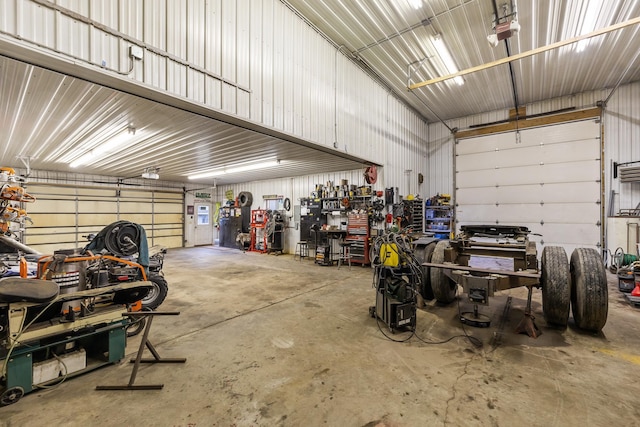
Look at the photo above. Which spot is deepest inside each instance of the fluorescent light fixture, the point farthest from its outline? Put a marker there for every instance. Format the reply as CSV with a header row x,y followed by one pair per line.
x,y
105,147
417,4
588,22
446,58
236,168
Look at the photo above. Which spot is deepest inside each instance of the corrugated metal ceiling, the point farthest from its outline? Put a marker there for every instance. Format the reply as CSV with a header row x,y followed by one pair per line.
x,y
54,119
392,38
389,37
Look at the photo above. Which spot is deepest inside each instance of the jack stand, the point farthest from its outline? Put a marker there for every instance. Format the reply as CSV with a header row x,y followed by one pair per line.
x,y
475,319
528,325
144,342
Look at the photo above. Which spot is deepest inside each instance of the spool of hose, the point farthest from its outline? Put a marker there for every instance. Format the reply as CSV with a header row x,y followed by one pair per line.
x,y
121,238
628,259
620,258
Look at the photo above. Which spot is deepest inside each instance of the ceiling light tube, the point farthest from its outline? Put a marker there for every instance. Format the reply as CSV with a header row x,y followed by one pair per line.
x,y
236,169
105,147
588,23
446,58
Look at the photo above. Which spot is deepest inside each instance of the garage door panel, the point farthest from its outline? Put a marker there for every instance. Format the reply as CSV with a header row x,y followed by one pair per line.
x,y
164,218
475,179
572,172
94,206
571,213
569,151
169,242
506,214
103,219
581,130
528,156
554,234
473,196
582,171
168,208
135,207
51,206
484,213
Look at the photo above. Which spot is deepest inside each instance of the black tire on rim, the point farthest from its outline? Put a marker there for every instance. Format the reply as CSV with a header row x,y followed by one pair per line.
x,y
555,279
589,293
157,293
444,289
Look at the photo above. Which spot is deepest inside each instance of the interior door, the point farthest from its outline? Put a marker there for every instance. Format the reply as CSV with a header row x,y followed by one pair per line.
x,y
203,225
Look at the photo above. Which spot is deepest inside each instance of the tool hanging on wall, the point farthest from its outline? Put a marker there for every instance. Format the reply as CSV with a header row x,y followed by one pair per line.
x,y
11,194
371,174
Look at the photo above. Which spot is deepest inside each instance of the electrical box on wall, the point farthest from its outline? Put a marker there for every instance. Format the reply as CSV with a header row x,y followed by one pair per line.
x,y
135,52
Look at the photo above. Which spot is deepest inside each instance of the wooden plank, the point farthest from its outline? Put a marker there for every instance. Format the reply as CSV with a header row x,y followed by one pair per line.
x,y
535,122
528,53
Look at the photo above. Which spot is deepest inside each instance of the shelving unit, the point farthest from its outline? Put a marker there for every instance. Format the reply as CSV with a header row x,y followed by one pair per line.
x,y
438,220
417,214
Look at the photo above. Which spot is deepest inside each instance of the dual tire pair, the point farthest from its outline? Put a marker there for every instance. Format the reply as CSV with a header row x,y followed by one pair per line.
x,y
579,285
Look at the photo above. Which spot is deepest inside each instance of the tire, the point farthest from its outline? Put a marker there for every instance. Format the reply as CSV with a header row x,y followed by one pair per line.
x,y
589,294
245,198
555,280
157,294
444,289
423,254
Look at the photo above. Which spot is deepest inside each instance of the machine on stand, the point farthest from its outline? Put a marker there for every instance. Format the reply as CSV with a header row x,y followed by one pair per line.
x,y
397,279
259,237
275,232
72,314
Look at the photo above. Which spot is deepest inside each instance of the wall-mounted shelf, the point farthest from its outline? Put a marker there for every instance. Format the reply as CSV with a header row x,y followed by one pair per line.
x,y
438,219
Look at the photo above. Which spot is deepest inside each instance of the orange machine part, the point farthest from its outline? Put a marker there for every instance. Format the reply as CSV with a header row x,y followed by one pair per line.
x,y
23,268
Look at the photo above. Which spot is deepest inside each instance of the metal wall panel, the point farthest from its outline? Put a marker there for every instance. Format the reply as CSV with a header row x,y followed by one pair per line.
x,y
297,81
621,136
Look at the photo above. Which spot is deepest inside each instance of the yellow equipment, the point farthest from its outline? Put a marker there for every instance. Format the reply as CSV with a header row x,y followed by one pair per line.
x,y
389,255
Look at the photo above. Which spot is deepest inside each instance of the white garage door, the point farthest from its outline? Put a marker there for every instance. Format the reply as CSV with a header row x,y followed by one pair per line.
x,y
547,179
61,215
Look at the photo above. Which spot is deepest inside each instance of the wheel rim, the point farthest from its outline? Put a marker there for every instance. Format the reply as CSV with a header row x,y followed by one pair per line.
x,y
11,396
152,295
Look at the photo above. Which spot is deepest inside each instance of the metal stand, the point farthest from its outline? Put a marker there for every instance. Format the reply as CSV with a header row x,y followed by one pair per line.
x,y
475,319
144,343
528,325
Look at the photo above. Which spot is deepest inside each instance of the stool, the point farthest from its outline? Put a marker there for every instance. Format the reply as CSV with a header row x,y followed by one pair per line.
x,y
302,250
345,254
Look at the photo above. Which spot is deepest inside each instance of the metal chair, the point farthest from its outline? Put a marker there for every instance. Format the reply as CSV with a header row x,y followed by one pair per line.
x,y
345,253
301,251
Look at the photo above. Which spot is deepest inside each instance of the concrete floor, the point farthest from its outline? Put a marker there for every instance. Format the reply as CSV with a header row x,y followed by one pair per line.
x,y
270,341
